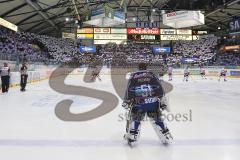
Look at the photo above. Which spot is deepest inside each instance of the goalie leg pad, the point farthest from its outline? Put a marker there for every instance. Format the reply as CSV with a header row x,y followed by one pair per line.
x,y
162,131
133,133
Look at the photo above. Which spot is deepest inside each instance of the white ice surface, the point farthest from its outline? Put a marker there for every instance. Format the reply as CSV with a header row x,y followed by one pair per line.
x,y
31,131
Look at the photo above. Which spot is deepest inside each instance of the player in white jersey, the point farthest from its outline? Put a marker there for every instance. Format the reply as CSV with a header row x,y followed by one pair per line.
x,y
161,72
223,74
170,73
203,73
186,74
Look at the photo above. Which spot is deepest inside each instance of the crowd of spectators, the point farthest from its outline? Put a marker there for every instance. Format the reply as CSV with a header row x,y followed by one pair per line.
x,y
229,58
203,50
50,50
226,56
15,46
58,49
35,48
127,54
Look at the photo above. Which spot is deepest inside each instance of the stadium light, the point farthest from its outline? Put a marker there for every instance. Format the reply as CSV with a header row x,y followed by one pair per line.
x,y
67,19
8,25
134,19
163,11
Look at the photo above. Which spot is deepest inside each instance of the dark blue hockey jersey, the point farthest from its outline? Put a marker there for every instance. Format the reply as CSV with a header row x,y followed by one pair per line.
x,y
143,88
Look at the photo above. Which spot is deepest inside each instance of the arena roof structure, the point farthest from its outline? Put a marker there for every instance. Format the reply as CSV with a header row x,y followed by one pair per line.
x,y
53,17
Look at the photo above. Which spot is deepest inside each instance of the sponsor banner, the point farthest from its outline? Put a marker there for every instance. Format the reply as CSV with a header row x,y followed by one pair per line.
x,y
148,37
189,60
85,30
194,71
119,15
172,14
176,37
84,36
184,31
110,36
118,20
196,37
232,47
109,41
97,12
234,24
178,72
179,15
119,30
143,31
231,67
97,17
168,31
212,72
88,49
8,25
199,32
161,50
150,24
144,37
102,30
68,35
138,24
183,19
235,73
234,34
146,42
147,24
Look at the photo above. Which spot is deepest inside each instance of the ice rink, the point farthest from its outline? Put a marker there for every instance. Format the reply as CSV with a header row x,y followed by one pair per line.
x,y
30,129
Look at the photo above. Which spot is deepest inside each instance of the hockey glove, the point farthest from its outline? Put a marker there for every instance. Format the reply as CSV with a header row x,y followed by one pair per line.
x,y
126,104
163,103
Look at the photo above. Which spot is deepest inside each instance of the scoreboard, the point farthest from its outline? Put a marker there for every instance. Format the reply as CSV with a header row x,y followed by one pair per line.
x,y
137,35
144,35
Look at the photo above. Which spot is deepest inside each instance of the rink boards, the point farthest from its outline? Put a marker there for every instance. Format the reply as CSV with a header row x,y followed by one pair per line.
x,y
43,73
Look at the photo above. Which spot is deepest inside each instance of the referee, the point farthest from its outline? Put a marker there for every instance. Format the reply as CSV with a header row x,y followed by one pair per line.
x,y
24,76
5,77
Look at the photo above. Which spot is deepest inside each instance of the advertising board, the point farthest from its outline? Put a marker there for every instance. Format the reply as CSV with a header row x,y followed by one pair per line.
x,y
88,49
110,36
176,37
102,30
155,31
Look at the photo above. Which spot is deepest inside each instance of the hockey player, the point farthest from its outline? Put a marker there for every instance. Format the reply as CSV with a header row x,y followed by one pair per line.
x,y
170,73
95,74
5,77
145,95
24,76
186,74
203,72
161,72
223,74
